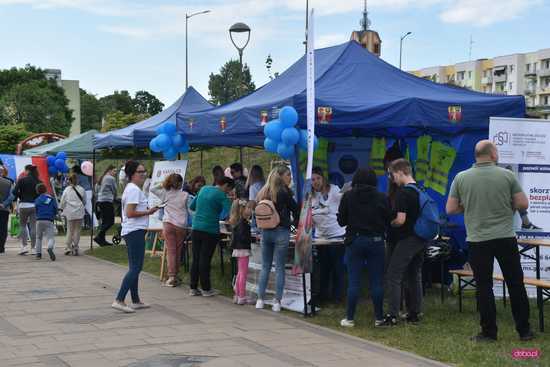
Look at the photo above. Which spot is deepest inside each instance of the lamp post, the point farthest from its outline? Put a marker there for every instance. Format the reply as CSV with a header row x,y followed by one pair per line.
x,y
187,16
401,47
240,28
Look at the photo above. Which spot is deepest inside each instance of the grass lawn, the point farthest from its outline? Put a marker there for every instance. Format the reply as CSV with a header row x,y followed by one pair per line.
x,y
443,334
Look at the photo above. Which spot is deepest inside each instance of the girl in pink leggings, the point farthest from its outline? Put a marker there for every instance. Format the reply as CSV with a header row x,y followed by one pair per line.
x,y
241,212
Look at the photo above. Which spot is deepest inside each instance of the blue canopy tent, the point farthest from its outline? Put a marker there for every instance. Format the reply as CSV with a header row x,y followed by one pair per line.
x,y
140,133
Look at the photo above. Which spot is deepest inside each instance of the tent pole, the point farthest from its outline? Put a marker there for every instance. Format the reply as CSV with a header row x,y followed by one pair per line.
x,y
202,174
241,155
93,203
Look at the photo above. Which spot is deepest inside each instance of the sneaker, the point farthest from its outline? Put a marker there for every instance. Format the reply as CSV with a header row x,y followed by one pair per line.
x,y
171,282
242,301
235,299
380,323
68,252
2,253
75,253
52,255
99,241
276,306
347,323
33,252
209,293
482,338
139,306
527,336
260,304
530,227
38,256
412,318
389,320
195,292
23,251
122,307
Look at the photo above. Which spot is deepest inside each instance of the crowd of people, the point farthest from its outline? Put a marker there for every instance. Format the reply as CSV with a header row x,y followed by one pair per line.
x,y
377,230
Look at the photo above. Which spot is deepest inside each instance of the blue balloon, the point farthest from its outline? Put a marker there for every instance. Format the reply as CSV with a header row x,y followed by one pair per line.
x,y
273,130
288,116
290,136
52,170
170,154
285,151
59,163
61,155
271,145
177,141
65,169
170,128
51,160
163,142
153,145
160,130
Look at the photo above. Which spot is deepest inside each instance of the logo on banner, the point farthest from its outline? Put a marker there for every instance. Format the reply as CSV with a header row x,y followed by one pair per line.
x,y
191,122
324,115
501,138
275,112
264,117
455,113
223,124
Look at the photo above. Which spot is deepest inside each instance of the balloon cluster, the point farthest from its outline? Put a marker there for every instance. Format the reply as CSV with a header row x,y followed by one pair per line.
x,y
169,142
281,135
57,164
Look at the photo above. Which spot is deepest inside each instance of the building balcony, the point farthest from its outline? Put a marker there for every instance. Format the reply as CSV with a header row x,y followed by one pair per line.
x,y
500,78
544,72
530,91
487,80
544,90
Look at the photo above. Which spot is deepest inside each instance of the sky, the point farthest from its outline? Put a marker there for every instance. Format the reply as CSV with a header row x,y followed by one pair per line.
x,y
136,45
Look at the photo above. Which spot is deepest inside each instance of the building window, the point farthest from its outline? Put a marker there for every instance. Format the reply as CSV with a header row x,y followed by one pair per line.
x,y
511,68
469,75
528,66
510,86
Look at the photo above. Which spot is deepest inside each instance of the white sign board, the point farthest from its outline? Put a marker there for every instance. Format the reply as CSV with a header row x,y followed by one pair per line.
x,y
521,141
524,146
160,171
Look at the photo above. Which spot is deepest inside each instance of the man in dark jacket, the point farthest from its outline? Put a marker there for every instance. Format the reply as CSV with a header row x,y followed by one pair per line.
x,y
25,192
6,198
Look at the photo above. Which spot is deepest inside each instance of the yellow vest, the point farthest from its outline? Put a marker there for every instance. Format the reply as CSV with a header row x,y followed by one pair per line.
x,y
320,157
377,153
422,158
441,161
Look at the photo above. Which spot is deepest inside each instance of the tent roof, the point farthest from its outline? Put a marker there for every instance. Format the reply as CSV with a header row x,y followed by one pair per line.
x,y
140,133
78,147
367,96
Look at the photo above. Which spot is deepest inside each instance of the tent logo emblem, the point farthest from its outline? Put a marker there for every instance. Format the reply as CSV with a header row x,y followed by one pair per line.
x,y
264,116
191,122
223,124
455,113
324,115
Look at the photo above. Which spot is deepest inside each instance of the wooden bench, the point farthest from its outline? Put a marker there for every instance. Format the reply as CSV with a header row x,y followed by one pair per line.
x,y
542,285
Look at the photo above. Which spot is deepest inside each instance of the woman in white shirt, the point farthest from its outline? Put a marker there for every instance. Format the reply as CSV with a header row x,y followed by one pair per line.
x,y
325,202
174,221
135,219
73,203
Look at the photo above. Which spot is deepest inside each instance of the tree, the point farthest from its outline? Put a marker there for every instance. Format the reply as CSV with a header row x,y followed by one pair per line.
x,y
118,101
91,112
231,83
40,105
15,76
10,136
145,102
118,120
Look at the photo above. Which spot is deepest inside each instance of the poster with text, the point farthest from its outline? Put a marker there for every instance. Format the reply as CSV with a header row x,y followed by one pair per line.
x,y
160,171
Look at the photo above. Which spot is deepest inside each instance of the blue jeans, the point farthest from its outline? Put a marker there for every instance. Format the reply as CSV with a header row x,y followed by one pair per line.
x,y
135,243
371,250
274,243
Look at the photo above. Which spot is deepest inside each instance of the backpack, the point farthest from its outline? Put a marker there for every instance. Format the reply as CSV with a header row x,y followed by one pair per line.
x,y
266,214
427,224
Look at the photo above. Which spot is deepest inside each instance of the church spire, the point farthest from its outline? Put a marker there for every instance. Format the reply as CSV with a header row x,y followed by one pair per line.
x,y
365,22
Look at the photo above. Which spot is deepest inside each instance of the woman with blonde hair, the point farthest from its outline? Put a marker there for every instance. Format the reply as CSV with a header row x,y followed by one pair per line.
x,y
174,221
73,204
275,241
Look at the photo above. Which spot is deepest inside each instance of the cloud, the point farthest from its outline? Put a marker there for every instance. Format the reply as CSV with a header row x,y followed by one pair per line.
x,y
485,12
111,8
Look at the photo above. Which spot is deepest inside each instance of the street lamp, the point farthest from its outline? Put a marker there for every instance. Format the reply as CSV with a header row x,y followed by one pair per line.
x,y
187,16
240,28
401,46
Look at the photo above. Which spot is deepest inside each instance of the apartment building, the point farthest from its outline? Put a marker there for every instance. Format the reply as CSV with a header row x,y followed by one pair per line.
x,y
518,74
72,92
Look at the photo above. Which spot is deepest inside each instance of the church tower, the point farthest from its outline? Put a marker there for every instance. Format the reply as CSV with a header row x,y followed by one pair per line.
x,y
368,38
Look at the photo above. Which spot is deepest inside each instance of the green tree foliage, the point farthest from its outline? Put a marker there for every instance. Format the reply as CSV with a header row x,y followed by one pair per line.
x,y
118,120
91,111
10,136
231,83
145,102
118,101
28,98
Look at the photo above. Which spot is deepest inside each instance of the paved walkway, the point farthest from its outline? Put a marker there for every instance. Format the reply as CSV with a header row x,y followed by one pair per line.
x,y
57,314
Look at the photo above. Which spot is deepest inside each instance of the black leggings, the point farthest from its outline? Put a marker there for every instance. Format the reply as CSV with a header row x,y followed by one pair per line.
x,y
204,245
107,211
